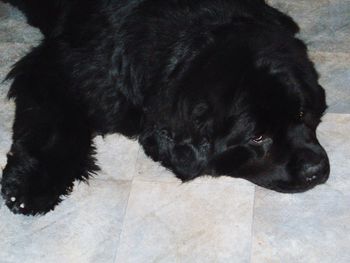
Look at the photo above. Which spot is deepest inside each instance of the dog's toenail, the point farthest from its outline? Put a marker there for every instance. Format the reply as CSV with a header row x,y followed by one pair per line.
x,y
10,153
13,198
22,205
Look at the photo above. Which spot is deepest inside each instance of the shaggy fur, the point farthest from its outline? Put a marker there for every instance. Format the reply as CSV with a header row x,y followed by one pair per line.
x,y
207,87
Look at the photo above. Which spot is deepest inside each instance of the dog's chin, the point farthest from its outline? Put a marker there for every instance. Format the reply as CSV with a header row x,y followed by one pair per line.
x,y
292,188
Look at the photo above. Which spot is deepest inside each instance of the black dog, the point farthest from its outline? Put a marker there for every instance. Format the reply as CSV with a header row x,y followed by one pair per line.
x,y
208,87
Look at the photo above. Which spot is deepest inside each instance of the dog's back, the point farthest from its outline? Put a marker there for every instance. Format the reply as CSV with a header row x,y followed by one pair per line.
x,y
46,14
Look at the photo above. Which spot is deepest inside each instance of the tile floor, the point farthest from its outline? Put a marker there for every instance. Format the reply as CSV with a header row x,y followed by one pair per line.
x,y
136,211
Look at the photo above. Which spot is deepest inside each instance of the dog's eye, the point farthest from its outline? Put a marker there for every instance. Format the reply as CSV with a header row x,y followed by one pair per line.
x,y
258,139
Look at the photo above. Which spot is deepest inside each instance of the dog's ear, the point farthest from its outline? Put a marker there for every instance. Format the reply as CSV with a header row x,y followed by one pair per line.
x,y
320,105
301,90
288,65
276,89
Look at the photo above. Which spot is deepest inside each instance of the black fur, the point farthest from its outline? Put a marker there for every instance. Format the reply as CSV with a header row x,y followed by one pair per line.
x,y
197,82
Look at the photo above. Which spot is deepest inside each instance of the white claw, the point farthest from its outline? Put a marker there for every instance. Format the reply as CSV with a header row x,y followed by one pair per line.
x,y
10,153
22,205
13,198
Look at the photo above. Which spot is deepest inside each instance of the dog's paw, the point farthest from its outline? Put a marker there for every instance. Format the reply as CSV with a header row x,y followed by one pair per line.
x,y
28,189
21,198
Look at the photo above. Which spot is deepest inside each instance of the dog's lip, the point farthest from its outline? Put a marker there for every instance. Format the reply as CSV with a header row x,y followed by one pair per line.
x,y
296,189
292,190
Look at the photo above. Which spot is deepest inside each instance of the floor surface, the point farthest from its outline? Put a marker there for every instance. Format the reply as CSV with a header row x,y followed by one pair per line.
x,y
136,211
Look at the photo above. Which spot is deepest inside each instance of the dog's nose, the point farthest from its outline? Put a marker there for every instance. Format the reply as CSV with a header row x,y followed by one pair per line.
x,y
311,166
315,172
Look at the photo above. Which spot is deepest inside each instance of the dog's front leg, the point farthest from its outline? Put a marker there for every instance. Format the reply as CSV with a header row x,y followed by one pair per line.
x,y
52,141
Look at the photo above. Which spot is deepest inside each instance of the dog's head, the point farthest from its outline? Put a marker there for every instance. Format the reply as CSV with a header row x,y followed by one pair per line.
x,y
249,109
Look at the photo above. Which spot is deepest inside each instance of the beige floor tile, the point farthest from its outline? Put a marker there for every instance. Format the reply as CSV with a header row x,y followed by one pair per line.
x,y
312,227
334,135
334,69
6,117
148,170
324,23
208,221
83,228
117,156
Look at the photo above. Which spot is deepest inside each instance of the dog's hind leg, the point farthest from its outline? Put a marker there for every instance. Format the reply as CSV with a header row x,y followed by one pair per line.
x,y
52,140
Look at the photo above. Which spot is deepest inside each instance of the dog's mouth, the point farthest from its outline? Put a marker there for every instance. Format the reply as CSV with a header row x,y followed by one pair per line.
x,y
289,188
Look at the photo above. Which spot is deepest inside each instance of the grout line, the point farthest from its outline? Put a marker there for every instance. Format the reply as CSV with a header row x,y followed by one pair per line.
x,y
337,113
252,227
123,224
127,205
